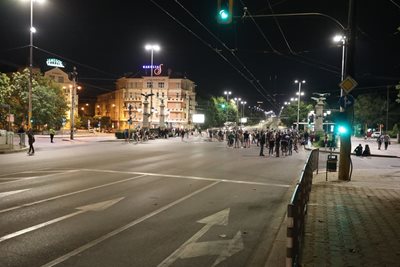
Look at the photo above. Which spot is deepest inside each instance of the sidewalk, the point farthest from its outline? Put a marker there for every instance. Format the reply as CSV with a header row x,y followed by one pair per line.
x,y
354,223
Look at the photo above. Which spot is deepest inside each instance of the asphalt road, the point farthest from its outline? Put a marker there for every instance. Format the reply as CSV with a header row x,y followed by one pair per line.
x,y
160,203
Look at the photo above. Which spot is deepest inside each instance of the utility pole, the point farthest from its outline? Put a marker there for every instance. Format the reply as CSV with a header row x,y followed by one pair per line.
x,y
73,92
345,139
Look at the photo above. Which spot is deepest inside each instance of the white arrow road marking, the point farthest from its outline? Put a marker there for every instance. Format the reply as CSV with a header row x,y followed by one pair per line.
x,y
223,248
5,194
92,207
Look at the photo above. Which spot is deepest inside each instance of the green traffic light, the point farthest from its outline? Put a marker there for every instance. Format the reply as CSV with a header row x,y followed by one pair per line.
x,y
223,14
342,129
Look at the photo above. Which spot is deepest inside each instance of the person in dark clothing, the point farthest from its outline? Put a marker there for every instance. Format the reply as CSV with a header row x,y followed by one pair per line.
x,y
21,133
31,140
358,150
262,144
366,152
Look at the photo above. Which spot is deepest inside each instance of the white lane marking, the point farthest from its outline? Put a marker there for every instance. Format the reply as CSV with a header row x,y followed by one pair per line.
x,y
5,194
192,178
92,207
69,194
223,248
18,179
219,218
125,227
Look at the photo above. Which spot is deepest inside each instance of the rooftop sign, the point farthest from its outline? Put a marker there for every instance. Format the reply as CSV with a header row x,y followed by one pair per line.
x,y
53,62
157,69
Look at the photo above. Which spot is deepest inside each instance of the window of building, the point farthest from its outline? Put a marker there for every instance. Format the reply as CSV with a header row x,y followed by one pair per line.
x,y
148,85
158,94
60,79
161,85
178,85
177,95
53,77
130,94
162,94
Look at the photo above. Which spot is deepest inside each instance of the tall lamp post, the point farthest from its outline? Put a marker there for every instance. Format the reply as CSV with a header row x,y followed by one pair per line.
x,y
243,104
341,39
298,102
237,99
151,48
32,30
227,93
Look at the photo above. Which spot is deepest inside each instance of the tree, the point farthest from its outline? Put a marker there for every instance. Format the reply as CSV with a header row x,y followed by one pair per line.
x,y
289,113
369,110
48,101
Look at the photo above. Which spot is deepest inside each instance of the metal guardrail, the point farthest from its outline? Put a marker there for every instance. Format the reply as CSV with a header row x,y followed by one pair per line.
x,y
297,209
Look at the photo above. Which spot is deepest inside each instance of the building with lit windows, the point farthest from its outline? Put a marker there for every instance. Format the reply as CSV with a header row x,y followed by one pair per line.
x,y
61,78
173,102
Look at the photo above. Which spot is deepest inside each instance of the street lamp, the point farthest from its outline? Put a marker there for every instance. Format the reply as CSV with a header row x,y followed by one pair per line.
x,y
341,39
243,104
298,102
237,99
227,93
32,30
151,48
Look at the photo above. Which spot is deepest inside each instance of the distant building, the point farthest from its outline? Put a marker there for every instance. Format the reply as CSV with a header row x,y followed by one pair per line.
x,y
177,94
61,78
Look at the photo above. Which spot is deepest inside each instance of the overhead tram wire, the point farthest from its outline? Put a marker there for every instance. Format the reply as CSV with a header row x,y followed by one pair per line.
x,y
212,48
232,53
313,62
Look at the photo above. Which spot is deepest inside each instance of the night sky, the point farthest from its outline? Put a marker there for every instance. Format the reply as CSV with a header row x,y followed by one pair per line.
x,y
256,60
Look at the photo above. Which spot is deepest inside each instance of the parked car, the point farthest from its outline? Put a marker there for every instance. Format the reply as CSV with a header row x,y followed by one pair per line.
x,y
375,134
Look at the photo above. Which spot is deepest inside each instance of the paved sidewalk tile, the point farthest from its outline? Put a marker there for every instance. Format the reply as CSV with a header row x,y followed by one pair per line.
x,y
352,226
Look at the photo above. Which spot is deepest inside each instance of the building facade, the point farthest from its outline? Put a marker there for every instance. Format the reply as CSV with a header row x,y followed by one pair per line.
x,y
171,105
61,78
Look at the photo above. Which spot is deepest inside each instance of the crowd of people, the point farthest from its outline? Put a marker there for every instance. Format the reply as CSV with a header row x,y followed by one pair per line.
x,y
277,142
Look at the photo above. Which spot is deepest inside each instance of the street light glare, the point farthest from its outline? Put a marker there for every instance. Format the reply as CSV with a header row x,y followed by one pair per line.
x,y
338,38
154,47
33,30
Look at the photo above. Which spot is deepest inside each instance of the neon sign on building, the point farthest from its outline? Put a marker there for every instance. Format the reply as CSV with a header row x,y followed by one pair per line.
x,y
157,68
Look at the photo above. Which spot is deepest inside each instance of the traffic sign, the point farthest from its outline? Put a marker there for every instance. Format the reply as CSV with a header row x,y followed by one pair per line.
x,y
346,101
348,84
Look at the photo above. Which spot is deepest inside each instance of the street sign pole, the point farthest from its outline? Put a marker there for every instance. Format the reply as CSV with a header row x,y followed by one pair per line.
x,y
345,140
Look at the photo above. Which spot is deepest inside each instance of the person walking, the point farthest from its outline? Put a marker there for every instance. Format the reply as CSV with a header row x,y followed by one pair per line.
x,y
379,140
52,133
31,140
386,140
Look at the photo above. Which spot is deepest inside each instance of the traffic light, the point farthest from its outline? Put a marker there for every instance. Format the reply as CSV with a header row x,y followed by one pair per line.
x,y
223,106
342,124
225,11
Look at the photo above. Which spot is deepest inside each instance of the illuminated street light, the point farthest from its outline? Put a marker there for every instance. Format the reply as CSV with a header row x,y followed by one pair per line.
x,y
341,39
298,102
32,30
227,93
152,48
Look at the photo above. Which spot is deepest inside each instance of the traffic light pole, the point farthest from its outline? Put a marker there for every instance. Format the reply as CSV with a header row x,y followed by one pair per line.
x,y
345,140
